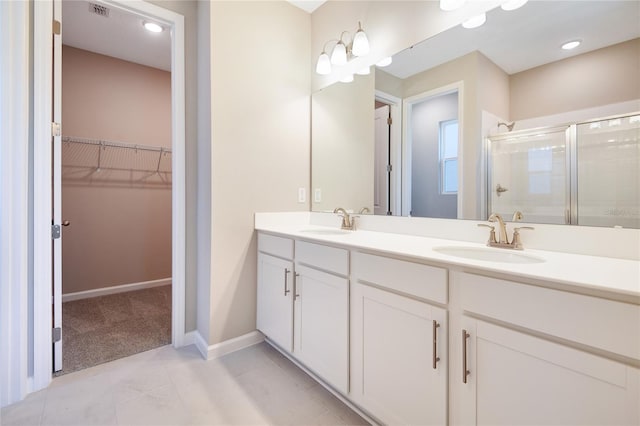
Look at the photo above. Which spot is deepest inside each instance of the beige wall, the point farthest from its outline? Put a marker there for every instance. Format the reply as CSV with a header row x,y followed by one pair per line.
x,y
120,232
260,85
342,145
596,78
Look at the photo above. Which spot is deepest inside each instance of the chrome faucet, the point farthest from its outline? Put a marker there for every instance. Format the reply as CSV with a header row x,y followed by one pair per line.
x,y
347,221
495,217
503,241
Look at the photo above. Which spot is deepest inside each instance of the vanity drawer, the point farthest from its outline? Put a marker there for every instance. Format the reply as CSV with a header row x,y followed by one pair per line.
x,y
414,279
276,246
600,323
330,259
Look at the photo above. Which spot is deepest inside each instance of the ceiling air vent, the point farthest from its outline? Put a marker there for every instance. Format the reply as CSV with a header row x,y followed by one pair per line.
x,y
99,9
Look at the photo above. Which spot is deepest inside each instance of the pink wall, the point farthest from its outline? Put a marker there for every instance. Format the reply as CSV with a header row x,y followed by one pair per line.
x,y
120,229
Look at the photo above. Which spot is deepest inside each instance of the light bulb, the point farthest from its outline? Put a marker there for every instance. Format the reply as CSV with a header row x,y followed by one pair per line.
x,y
451,4
347,79
475,21
339,54
384,62
153,27
364,71
360,43
323,67
513,4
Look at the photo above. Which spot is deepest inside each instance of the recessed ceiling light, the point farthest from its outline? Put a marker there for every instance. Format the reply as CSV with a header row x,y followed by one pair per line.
x,y
571,44
153,27
475,21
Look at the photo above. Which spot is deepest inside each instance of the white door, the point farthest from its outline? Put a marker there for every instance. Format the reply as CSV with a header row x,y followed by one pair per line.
x,y
321,338
275,301
57,186
398,358
515,378
381,173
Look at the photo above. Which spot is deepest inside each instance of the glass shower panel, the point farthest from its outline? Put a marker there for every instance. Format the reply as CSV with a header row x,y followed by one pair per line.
x,y
608,172
529,174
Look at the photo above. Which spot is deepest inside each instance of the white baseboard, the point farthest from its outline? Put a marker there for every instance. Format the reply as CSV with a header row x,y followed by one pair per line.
x,y
115,289
228,346
190,338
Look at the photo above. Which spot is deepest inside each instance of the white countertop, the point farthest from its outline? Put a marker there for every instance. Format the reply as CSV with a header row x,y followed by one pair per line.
x,y
619,278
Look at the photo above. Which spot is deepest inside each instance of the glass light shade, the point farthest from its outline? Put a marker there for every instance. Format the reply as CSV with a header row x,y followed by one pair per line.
x,y
347,79
513,4
384,62
360,44
451,4
475,22
364,71
323,66
339,54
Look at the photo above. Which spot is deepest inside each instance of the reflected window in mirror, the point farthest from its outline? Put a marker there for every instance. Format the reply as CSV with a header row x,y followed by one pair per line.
x,y
449,157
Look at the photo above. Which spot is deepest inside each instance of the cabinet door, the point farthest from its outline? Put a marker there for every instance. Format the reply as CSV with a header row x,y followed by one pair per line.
x,y
515,378
394,375
275,300
322,325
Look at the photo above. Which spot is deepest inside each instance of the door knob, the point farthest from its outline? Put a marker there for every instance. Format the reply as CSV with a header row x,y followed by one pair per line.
x,y
66,223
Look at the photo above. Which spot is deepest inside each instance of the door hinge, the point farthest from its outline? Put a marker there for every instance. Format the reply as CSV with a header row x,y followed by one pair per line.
x,y
389,168
56,334
55,232
57,27
56,129
389,121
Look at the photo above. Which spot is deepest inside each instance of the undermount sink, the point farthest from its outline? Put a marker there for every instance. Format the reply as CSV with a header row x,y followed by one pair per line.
x,y
488,254
328,231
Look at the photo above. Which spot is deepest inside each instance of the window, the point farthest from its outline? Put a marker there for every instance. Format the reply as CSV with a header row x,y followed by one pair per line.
x,y
449,157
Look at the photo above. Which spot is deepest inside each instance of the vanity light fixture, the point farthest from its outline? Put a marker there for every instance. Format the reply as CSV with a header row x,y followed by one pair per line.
x,y
571,44
476,21
385,62
451,4
364,71
152,27
343,52
513,4
347,79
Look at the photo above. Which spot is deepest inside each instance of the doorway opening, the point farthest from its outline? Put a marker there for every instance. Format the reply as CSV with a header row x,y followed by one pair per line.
x,y
115,188
431,156
387,154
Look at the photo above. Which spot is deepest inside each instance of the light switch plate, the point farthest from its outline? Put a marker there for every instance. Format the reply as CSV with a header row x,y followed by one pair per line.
x,y
302,195
317,195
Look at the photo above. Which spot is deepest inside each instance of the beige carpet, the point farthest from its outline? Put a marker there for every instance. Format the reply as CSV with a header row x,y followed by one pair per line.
x,y
105,328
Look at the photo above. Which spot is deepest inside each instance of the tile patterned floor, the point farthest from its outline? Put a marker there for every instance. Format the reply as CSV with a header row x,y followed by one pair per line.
x,y
164,386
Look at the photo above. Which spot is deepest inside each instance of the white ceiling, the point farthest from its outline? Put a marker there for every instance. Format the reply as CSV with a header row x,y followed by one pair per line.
x,y
307,5
529,36
120,35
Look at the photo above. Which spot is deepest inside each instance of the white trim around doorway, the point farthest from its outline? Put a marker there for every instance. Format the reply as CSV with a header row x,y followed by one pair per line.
x,y
42,343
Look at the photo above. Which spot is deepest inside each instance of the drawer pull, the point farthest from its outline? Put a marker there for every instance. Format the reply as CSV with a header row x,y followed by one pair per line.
x,y
465,372
295,285
286,274
436,358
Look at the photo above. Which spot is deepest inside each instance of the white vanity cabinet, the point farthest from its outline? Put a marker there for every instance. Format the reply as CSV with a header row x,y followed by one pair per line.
x,y
546,365
399,340
274,314
321,319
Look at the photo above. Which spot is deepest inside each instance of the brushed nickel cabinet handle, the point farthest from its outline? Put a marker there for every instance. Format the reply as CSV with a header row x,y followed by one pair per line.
x,y
436,358
465,372
286,274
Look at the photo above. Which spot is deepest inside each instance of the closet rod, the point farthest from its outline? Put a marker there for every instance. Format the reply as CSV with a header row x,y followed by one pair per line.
x,y
112,144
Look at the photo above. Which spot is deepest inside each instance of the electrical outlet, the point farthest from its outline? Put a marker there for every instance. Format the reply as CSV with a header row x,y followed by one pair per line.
x,y
302,195
317,195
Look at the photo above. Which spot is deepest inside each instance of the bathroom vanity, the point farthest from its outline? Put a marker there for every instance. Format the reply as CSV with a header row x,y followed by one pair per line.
x,y
412,335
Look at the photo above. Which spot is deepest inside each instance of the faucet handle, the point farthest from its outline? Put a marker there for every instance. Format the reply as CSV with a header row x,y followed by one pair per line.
x,y
517,216
492,233
517,242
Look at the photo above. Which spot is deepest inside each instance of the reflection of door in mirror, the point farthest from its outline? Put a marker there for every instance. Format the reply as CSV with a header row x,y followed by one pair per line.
x,y
382,174
433,139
